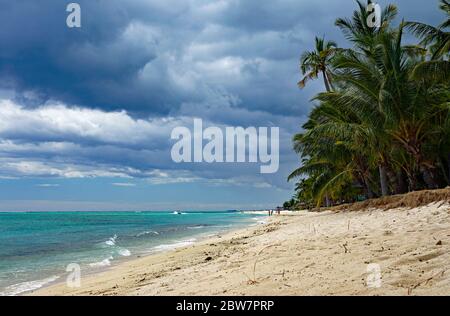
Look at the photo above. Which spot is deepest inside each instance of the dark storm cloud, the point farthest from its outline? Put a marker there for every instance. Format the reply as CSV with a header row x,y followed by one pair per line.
x,y
149,57
101,100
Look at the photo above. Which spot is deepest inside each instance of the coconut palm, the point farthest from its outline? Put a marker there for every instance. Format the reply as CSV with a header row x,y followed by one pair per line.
x,y
385,121
318,62
436,38
333,150
358,31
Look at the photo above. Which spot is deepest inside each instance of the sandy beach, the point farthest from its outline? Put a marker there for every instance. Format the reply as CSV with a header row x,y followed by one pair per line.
x,y
302,253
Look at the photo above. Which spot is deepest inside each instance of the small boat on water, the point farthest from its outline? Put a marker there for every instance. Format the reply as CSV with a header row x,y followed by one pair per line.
x,y
177,213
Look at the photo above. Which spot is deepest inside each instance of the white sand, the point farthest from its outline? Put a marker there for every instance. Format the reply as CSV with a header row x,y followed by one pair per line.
x,y
302,254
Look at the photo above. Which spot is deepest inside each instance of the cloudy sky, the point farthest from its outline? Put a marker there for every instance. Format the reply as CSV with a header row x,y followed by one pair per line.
x,y
86,113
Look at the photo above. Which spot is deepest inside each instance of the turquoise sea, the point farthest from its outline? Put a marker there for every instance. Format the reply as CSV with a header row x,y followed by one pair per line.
x,y
36,247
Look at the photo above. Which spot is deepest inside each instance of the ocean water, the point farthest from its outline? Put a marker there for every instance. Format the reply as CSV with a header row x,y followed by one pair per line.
x,y
36,247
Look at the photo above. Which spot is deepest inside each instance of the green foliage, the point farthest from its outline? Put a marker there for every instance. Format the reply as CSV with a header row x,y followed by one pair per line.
x,y
384,128
317,62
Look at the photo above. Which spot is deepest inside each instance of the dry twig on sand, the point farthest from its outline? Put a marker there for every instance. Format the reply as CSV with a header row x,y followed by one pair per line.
x,y
253,280
425,282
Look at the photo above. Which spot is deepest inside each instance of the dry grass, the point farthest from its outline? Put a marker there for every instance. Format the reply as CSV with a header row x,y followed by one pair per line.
x,y
409,200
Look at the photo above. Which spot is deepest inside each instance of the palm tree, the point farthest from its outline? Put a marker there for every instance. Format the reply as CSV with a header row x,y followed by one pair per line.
x,y
405,106
436,70
436,38
318,61
361,79
333,148
385,121
362,35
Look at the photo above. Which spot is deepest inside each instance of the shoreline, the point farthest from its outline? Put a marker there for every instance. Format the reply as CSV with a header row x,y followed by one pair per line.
x,y
125,263
59,279
327,253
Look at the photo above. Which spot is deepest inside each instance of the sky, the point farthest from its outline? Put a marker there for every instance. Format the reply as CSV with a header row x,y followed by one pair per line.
x,y
86,113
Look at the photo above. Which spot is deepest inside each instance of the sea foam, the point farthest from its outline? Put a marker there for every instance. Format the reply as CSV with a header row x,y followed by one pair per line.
x,y
124,252
23,287
174,245
111,241
151,232
104,263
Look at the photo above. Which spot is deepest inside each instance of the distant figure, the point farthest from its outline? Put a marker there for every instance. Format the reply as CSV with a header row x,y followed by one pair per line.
x,y
279,209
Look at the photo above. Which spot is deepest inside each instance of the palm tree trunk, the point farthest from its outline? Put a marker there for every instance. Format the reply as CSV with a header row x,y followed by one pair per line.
x,y
325,80
369,191
383,180
427,176
413,180
327,201
392,179
330,80
402,186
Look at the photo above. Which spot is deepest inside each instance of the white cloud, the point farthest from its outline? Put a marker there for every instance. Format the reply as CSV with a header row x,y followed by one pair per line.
x,y
58,141
14,167
47,185
57,121
124,184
